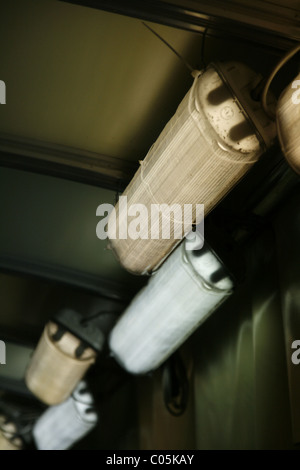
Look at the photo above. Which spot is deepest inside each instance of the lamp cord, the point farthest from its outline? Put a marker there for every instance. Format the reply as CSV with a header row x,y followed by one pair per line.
x,y
188,66
93,316
175,385
274,72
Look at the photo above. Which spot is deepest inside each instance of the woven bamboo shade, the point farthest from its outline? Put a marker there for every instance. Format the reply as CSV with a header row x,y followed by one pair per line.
x,y
288,124
54,370
217,133
6,444
8,438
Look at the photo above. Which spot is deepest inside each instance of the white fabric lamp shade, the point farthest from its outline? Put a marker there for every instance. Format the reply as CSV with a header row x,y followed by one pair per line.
x,y
217,133
61,426
187,288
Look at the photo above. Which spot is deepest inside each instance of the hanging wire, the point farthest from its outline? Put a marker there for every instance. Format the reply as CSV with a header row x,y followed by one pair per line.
x,y
202,60
88,318
276,69
188,66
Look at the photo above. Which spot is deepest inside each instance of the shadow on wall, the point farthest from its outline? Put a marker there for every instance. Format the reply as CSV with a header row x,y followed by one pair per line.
x,y
241,383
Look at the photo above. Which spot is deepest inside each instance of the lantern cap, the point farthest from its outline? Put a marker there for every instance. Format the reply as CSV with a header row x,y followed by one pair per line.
x,y
88,333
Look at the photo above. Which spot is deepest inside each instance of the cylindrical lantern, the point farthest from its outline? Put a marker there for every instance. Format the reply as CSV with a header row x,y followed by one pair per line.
x,y
288,123
54,370
7,444
9,439
179,296
63,425
217,133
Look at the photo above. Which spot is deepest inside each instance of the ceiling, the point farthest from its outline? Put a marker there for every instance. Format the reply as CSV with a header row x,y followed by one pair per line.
x,y
89,79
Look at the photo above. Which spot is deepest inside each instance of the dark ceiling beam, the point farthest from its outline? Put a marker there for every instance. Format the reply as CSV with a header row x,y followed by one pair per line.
x,y
15,386
268,24
65,162
94,284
